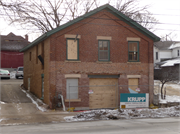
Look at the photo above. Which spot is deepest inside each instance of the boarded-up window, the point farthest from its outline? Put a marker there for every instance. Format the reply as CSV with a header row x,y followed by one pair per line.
x,y
133,83
71,88
72,49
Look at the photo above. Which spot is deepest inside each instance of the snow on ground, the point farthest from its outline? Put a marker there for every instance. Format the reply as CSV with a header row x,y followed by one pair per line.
x,y
175,86
41,108
12,74
172,88
1,102
2,119
173,98
105,114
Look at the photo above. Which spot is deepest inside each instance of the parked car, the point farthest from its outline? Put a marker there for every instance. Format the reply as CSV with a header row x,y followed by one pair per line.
x,y
19,72
4,74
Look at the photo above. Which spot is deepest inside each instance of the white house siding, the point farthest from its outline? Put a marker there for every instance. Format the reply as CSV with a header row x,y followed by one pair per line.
x,y
165,54
156,60
175,52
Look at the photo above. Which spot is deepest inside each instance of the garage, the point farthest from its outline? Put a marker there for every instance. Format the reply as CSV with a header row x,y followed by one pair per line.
x,y
104,93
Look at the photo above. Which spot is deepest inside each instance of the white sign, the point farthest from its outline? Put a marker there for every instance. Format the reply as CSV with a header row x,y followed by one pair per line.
x,y
91,92
130,100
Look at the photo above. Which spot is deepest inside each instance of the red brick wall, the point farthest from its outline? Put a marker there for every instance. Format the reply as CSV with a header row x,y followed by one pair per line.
x,y
11,59
89,29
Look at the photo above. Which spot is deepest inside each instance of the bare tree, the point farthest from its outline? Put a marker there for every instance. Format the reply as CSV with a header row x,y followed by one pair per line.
x,y
138,13
79,7
168,37
46,15
164,75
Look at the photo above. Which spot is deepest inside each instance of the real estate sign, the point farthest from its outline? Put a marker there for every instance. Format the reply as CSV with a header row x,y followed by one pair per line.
x,y
132,100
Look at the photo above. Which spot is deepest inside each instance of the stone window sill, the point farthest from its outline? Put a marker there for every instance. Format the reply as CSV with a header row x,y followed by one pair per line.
x,y
101,62
134,62
73,100
72,61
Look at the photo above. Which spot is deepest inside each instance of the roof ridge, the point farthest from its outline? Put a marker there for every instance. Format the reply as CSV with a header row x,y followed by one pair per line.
x,y
117,13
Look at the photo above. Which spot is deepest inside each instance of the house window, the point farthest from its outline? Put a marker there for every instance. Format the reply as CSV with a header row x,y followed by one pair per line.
x,y
156,55
177,52
42,54
72,49
133,51
104,50
72,89
29,56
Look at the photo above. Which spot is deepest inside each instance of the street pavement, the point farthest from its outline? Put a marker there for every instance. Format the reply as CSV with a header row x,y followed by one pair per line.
x,y
133,126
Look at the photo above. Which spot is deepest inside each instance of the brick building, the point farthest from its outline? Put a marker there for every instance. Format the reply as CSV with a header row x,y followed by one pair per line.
x,y
10,46
77,60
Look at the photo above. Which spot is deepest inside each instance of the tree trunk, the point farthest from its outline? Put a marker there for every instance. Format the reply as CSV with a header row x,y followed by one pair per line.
x,y
162,91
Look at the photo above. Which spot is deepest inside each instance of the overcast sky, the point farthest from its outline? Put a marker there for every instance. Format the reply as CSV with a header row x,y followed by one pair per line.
x,y
167,12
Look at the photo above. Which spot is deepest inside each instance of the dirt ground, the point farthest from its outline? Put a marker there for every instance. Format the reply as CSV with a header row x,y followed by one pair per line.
x,y
171,88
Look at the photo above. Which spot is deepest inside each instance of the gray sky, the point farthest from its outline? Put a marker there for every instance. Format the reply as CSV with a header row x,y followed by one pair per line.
x,y
167,12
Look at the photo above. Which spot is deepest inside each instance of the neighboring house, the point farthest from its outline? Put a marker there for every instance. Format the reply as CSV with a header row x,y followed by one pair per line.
x,y
162,51
80,58
10,46
167,54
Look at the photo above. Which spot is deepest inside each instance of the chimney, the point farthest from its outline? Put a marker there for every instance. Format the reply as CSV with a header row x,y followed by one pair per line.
x,y
26,37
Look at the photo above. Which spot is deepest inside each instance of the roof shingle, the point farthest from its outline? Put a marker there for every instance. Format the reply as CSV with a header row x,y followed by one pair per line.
x,y
11,42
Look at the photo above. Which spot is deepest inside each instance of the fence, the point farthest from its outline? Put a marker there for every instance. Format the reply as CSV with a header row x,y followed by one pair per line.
x,y
105,96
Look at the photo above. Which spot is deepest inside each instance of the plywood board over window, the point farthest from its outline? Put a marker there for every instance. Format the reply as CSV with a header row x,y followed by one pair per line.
x,y
72,49
104,93
133,83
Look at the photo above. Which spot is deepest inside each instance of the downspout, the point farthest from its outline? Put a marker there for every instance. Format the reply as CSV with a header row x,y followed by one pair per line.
x,y
149,73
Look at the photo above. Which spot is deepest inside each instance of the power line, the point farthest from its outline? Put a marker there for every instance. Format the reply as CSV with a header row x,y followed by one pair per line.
x,y
114,20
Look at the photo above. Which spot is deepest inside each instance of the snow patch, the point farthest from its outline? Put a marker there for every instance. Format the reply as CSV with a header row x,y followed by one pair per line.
x,y
35,102
176,86
174,45
2,119
171,62
1,102
18,107
105,114
12,74
173,98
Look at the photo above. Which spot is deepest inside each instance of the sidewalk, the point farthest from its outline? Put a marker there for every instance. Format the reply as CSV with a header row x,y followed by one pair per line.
x,y
50,116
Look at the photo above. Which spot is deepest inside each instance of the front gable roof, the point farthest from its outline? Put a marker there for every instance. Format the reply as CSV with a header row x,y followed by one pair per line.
x,y
108,7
